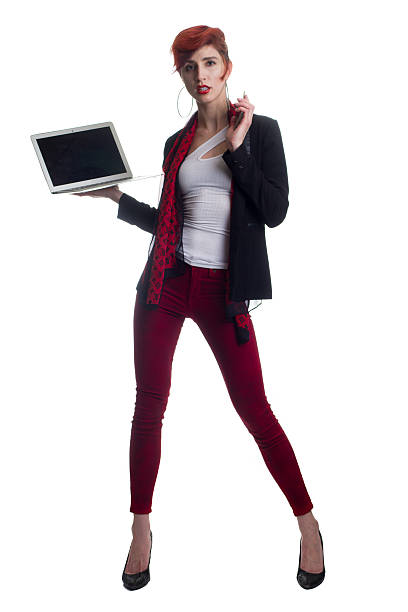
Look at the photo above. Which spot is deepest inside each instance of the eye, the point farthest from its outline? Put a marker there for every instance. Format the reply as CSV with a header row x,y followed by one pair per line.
x,y
188,66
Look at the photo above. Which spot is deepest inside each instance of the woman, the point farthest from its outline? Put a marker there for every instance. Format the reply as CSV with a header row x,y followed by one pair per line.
x,y
225,178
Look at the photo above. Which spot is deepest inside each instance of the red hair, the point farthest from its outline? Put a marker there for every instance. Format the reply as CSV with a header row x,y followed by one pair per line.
x,y
191,39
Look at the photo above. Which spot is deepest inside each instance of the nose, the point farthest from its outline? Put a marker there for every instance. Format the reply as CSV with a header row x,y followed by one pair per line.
x,y
200,76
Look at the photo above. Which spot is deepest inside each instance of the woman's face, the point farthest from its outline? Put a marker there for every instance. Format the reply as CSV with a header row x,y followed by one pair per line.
x,y
205,67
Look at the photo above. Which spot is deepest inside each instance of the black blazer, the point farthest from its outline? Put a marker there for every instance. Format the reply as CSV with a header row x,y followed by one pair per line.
x,y
260,197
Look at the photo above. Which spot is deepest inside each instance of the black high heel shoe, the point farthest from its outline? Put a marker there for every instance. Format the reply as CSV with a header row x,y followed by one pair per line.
x,y
310,580
139,580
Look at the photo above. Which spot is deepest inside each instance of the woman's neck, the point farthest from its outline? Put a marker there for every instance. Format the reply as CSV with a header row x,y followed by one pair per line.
x,y
212,119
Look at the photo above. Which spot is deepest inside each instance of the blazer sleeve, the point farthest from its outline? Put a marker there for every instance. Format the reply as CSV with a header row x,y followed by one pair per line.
x,y
266,185
138,213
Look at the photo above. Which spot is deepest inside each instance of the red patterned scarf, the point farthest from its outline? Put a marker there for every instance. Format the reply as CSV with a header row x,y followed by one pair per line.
x,y
167,235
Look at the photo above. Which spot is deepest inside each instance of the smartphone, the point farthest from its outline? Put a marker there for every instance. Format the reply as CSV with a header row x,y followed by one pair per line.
x,y
241,114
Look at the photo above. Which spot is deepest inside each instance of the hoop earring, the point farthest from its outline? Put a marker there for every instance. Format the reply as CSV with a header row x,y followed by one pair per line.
x,y
178,104
227,95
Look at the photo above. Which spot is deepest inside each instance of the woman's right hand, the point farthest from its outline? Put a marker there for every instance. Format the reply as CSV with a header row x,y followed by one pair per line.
x,y
112,192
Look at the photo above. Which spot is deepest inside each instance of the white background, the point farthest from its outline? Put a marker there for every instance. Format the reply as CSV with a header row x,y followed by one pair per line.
x,y
332,340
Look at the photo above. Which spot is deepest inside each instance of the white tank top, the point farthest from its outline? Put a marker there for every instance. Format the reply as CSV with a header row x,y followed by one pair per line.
x,y
205,186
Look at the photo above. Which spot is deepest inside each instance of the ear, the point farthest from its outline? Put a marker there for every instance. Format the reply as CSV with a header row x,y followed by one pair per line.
x,y
229,69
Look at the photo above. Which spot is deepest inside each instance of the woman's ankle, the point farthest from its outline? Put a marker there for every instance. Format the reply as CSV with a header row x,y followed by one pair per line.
x,y
307,522
141,522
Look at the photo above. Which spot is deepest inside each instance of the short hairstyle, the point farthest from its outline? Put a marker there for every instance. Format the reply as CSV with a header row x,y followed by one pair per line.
x,y
191,39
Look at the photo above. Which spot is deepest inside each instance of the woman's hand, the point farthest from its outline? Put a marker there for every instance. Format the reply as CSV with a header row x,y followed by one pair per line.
x,y
113,193
235,138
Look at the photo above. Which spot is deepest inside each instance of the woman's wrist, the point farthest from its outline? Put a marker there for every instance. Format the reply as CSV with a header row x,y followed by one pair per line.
x,y
116,195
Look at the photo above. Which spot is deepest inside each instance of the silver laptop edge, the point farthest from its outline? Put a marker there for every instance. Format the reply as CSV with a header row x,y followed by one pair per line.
x,y
91,184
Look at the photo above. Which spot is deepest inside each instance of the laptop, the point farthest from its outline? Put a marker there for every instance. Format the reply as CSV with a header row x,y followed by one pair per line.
x,y
82,158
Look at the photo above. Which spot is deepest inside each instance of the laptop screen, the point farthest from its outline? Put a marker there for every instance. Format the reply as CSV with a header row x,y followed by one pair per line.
x,y
81,156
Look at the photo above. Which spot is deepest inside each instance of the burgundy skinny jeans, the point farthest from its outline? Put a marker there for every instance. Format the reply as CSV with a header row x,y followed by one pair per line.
x,y
199,293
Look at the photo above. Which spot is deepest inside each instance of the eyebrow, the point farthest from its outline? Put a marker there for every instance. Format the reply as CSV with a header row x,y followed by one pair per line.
x,y
204,58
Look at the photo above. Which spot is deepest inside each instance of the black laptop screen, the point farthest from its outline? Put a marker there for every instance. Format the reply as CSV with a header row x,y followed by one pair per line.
x,y
81,156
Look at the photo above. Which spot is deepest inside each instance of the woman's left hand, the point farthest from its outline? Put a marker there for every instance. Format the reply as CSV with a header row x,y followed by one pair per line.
x,y
235,138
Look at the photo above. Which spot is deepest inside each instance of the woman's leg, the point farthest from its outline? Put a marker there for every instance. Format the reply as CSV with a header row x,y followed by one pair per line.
x,y
241,368
156,333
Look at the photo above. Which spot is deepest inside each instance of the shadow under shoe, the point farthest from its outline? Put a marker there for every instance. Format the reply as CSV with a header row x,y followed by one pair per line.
x,y
139,580
310,580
